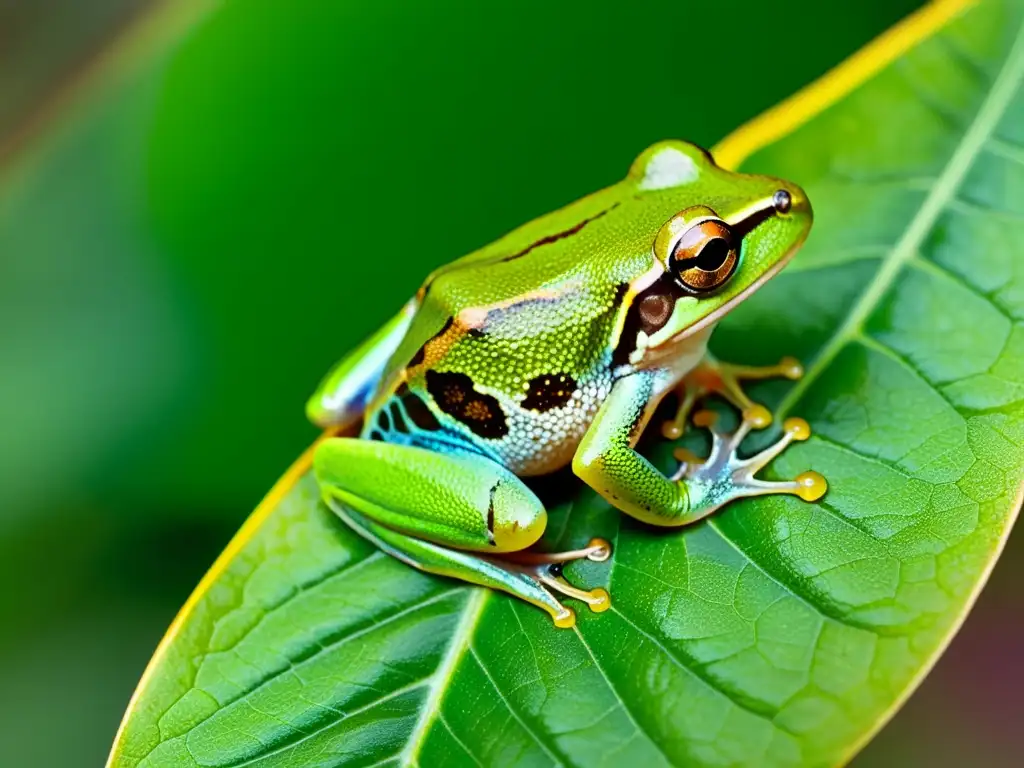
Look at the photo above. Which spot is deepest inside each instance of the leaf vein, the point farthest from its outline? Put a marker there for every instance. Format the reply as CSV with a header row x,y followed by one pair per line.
x,y
694,669
992,108
638,729
512,711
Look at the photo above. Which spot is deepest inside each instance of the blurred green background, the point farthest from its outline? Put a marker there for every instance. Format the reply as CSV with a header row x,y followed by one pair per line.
x,y
203,204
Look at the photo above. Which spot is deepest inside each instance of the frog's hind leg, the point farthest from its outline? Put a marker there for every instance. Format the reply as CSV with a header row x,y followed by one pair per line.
x,y
458,515
712,376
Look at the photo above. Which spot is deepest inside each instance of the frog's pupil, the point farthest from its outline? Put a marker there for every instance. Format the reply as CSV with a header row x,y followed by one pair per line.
x,y
713,255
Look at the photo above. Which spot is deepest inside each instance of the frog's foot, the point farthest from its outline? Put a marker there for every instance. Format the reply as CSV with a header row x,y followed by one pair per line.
x,y
724,476
546,569
714,377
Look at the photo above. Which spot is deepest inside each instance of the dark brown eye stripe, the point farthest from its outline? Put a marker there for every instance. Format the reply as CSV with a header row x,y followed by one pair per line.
x,y
649,312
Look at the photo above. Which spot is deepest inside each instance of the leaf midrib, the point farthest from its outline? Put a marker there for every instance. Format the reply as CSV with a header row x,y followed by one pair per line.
x,y
1002,90
471,612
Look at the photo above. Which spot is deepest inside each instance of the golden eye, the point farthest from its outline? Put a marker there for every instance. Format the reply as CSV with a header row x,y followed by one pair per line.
x,y
705,256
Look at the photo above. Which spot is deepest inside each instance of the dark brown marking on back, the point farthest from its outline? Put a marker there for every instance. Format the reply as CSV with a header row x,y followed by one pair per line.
x,y
383,421
549,390
455,394
560,235
421,294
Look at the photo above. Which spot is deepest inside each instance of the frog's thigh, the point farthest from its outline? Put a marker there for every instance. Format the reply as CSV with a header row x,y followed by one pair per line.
x,y
457,500
438,513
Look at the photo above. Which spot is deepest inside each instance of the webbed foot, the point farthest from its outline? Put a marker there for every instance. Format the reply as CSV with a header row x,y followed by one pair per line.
x,y
724,476
546,569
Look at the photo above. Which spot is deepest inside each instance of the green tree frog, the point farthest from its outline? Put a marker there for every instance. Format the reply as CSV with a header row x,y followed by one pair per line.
x,y
553,346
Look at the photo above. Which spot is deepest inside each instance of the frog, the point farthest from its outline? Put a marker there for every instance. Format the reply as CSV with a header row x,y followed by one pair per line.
x,y
553,347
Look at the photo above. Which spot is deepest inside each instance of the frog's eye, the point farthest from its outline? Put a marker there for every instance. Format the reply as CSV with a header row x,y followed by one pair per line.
x,y
705,257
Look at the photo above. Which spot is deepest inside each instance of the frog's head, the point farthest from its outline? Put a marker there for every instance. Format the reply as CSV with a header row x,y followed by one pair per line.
x,y
730,233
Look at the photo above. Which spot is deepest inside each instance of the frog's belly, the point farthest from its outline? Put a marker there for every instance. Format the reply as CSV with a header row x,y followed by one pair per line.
x,y
542,441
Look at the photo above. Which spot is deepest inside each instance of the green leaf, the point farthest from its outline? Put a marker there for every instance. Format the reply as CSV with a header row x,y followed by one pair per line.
x,y
776,633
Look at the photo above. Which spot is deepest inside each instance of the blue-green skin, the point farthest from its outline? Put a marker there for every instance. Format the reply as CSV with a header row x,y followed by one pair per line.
x,y
528,355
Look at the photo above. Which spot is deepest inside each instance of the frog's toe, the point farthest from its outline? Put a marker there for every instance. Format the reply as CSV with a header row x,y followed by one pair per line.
x,y
809,486
793,430
672,429
791,368
724,476
728,378
598,599
758,416
547,569
787,368
565,619
713,377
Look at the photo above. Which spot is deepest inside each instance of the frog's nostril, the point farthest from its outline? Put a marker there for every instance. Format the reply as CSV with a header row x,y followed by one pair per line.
x,y
782,201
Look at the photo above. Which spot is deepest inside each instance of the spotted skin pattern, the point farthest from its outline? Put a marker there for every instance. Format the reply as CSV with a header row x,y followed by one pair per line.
x,y
552,347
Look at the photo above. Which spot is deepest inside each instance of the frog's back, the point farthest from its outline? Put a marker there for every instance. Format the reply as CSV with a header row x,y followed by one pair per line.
x,y
514,347
509,353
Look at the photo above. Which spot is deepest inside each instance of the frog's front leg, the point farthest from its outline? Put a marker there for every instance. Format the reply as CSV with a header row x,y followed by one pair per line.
x,y
607,461
459,515
712,376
